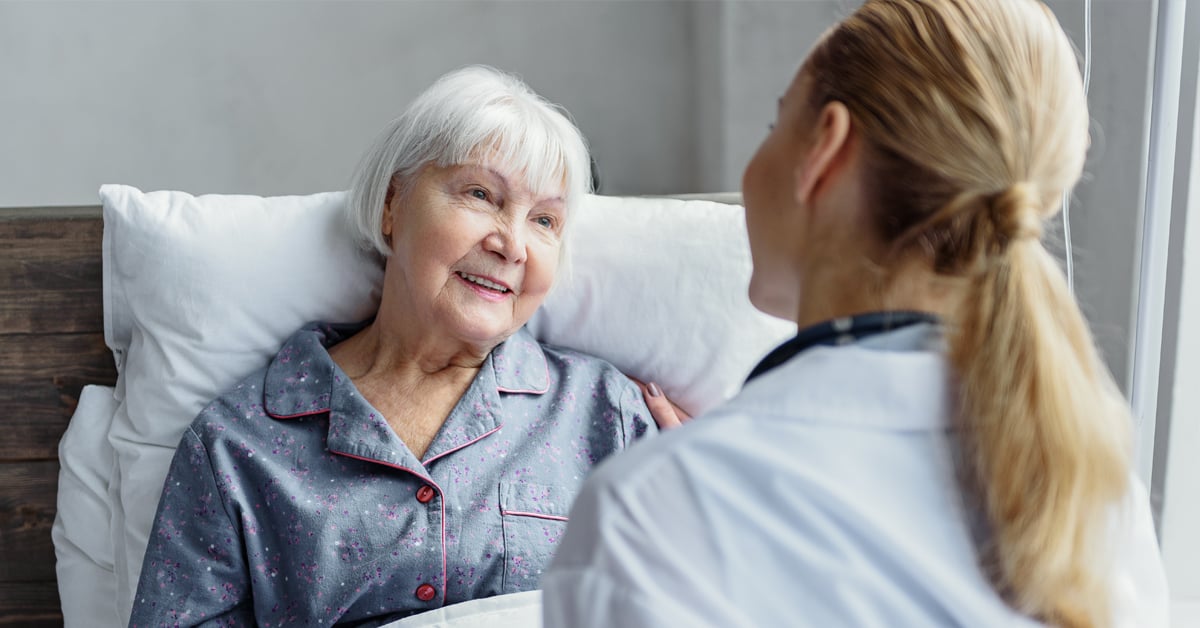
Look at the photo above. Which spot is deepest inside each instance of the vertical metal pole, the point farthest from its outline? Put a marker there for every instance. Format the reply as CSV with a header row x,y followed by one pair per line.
x,y
1146,345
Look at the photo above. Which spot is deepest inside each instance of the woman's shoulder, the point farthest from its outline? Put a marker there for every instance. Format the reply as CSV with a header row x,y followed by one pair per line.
x,y
234,407
569,362
578,386
242,408
301,359
563,365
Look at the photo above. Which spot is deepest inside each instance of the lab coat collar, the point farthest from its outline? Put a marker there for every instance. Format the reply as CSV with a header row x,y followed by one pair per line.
x,y
856,386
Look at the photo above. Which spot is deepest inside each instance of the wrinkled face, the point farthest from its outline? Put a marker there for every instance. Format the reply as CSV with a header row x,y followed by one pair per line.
x,y
474,251
773,213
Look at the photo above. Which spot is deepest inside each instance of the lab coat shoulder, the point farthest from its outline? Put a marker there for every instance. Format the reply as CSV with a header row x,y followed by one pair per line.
x,y
1139,582
644,545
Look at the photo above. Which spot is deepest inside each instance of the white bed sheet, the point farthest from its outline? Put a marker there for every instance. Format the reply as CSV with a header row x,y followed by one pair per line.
x,y
514,610
82,531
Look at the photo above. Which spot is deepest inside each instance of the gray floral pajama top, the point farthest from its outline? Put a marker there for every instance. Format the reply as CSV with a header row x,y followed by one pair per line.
x,y
290,502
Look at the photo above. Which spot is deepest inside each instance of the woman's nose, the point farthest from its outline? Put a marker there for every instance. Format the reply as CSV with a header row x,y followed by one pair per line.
x,y
508,241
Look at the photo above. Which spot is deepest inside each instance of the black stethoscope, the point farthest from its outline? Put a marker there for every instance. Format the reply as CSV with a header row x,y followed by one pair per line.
x,y
840,331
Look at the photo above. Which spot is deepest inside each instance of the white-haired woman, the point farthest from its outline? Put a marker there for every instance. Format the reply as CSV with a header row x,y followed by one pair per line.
x,y
429,455
940,445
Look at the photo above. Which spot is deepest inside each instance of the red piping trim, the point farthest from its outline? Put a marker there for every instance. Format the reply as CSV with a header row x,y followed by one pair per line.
x,y
532,392
444,575
388,464
294,416
470,442
537,515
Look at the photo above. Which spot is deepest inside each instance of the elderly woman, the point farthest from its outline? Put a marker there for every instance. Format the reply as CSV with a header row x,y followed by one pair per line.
x,y
940,445
428,456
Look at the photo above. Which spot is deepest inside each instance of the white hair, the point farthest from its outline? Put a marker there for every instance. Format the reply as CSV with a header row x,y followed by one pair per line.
x,y
466,110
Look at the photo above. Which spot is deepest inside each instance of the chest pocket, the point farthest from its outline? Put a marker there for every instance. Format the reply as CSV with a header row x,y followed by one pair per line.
x,y
534,517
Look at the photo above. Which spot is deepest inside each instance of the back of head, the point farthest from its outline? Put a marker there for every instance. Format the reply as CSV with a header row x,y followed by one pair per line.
x,y
968,100
472,109
975,122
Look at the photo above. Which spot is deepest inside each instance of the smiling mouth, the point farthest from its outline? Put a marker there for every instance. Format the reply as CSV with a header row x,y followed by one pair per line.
x,y
480,281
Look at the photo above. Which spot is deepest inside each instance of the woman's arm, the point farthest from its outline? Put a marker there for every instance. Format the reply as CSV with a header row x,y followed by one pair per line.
x,y
194,573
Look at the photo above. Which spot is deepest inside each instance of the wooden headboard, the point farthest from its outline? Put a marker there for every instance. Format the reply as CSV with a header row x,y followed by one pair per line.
x,y
51,345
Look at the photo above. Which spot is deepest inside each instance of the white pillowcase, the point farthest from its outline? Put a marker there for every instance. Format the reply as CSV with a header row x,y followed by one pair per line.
x,y
658,288
200,291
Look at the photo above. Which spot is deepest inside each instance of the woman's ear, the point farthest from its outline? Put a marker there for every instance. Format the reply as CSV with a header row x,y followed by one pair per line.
x,y
386,222
831,137
386,217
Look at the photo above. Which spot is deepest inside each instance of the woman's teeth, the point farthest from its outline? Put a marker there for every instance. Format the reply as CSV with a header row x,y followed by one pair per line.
x,y
483,282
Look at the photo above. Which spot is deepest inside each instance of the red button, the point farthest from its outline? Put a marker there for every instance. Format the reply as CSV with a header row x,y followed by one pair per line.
x,y
426,592
424,494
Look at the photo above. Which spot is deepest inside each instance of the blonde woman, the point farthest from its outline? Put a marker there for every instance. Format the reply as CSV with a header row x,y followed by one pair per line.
x,y
940,444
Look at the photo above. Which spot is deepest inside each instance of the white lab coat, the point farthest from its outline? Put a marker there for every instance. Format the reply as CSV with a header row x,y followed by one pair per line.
x,y
822,495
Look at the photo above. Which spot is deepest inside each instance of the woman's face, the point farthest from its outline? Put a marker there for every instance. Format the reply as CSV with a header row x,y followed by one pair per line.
x,y
773,212
474,251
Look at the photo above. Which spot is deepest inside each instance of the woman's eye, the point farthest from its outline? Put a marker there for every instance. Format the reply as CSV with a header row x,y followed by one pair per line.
x,y
479,193
546,222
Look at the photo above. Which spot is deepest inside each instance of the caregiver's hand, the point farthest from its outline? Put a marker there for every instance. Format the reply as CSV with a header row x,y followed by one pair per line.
x,y
666,414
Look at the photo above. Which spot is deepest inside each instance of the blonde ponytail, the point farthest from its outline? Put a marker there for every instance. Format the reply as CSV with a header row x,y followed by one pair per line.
x,y
1044,427
975,122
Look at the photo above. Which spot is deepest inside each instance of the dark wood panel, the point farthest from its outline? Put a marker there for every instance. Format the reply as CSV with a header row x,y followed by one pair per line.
x,y
62,311
28,492
51,233
30,605
65,273
40,380
50,270
51,345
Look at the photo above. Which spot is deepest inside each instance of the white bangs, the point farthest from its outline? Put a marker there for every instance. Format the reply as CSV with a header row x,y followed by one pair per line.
x,y
525,141
464,113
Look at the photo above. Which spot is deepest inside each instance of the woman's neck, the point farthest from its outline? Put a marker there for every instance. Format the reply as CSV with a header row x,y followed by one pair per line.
x,y
377,351
414,394
838,290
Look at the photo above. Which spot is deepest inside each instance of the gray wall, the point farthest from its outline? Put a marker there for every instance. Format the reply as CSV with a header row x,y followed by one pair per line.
x,y
1105,213
282,97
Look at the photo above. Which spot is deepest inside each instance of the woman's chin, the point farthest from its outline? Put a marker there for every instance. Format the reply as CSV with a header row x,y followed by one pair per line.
x,y
481,333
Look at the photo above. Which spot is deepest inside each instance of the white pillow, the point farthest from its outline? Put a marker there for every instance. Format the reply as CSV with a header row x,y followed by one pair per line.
x,y
658,288
82,530
200,291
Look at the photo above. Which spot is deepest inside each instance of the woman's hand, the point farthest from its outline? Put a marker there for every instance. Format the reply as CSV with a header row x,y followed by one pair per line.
x,y
666,414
